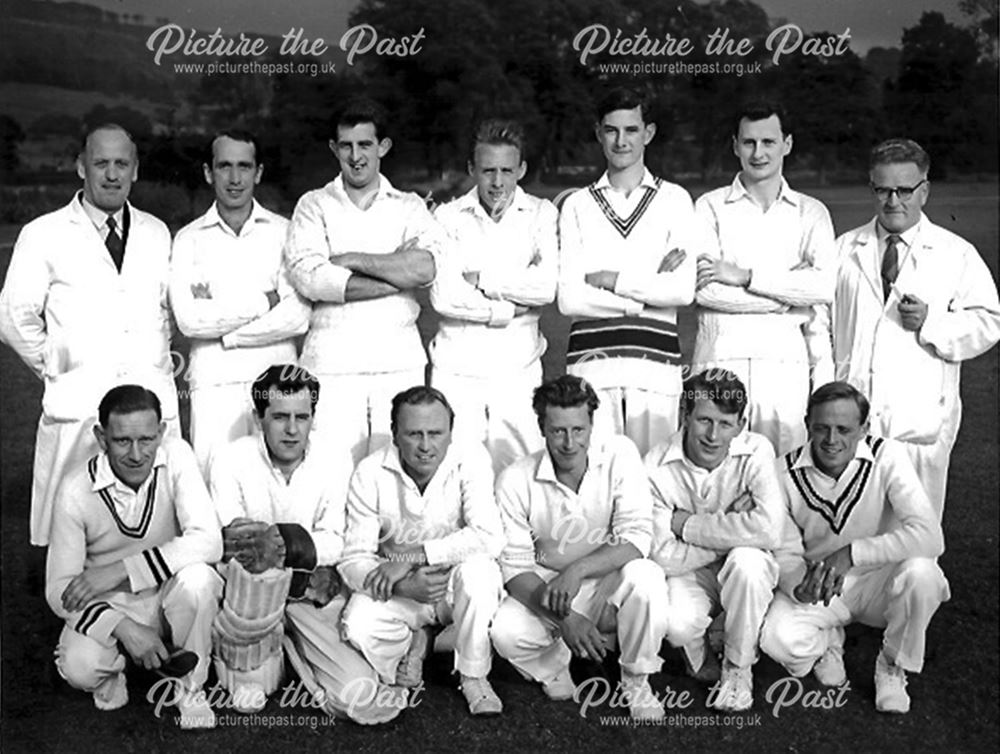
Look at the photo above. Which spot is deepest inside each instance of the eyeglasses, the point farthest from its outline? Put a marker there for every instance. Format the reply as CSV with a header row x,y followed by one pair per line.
x,y
904,193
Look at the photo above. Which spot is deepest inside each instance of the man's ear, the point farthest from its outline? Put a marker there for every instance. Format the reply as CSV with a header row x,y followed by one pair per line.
x,y
384,146
522,170
649,133
207,169
80,171
102,440
161,430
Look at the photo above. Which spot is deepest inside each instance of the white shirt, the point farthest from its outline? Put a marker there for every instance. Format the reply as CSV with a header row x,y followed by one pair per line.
x,y
379,335
736,504
549,526
78,323
245,483
795,229
235,334
912,379
517,259
878,506
454,518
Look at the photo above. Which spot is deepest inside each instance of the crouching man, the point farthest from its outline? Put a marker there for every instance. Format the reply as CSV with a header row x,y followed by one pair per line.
x,y
132,534
423,532
578,523
717,515
861,545
282,503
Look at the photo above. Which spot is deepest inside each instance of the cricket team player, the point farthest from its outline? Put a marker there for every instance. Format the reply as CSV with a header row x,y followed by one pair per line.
x,y
499,270
764,288
423,535
861,544
717,516
358,248
84,305
231,295
913,301
577,516
627,253
132,535
279,494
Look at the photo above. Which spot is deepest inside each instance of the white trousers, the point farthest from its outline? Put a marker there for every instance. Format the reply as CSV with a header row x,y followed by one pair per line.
x,y
742,585
60,447
531,643
777,396
495,411
643,416
383,630
331,668
902,597
354,410
219,415
182,610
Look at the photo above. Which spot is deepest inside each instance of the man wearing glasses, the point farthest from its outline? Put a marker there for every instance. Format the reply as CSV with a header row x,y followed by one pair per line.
x,y
912,301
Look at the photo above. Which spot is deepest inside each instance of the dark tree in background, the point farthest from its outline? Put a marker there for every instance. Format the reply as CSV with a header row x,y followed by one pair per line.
x,y
945,96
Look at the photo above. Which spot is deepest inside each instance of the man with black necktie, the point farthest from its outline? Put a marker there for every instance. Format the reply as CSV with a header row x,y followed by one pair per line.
x,y
913,300
84,305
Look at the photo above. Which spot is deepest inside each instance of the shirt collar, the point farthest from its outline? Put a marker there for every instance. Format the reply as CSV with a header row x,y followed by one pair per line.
x,y
908,236
98,216
385,189
392,462
104,477
212,217
740,446
738,191
469,202
597,455
648,181
805,460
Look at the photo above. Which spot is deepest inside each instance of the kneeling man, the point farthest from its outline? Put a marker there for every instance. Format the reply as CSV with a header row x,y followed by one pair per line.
x,y
281,502
578,522
423,532
132,534
717,514
861,546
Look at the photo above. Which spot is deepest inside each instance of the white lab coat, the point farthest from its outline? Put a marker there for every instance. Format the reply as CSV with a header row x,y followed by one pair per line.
x,y
83,327
912,379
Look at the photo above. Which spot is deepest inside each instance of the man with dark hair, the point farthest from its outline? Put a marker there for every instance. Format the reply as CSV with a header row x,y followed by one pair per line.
x,y
132,534
577,518
280,501
764,290
359,248
860,544
230,293
423,533
913,301
628,244
84,305
717,513
499,271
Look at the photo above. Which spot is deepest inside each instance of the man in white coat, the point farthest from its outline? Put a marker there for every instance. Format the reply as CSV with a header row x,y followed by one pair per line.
x,y
231,295
913,301
85,307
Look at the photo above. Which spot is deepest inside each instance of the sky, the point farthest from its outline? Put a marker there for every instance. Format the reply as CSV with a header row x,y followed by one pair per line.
x,y
873,23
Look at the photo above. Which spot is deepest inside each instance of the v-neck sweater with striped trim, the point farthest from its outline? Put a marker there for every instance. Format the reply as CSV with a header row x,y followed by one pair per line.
x,y
165,525
878,506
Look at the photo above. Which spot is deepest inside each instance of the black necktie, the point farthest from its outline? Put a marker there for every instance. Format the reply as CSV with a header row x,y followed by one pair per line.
x,y
890,264
114,243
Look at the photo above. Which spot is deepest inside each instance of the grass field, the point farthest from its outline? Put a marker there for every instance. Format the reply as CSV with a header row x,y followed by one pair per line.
x,y
955,699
